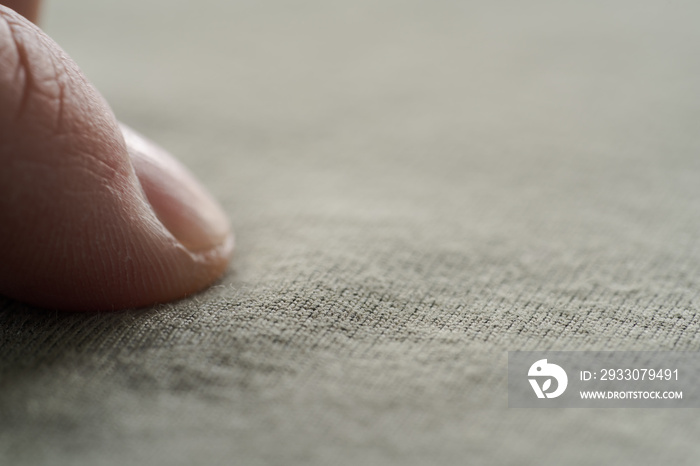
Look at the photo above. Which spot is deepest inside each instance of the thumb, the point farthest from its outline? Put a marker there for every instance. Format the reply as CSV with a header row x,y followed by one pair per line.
x,y
92,216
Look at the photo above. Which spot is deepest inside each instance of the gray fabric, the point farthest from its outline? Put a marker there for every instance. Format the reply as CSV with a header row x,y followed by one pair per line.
x,y
417,187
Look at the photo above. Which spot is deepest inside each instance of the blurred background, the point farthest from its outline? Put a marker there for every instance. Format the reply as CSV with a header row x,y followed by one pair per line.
x,y
447,112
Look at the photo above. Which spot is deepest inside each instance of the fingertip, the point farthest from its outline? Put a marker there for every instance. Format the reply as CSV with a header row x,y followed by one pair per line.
x,y
84,225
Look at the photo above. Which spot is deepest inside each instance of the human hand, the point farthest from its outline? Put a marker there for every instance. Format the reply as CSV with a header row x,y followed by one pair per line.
x,y
92,215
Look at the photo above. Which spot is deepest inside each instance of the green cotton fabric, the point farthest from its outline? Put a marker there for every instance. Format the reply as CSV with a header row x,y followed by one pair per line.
x,y
417,187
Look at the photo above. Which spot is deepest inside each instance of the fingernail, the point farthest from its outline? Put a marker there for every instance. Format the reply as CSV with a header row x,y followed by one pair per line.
x,y
182,205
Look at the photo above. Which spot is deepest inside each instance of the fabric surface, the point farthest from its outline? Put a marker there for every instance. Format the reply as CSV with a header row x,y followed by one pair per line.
x,y
416,187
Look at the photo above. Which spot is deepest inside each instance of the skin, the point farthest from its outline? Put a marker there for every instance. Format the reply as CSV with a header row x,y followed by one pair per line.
x,y
92,215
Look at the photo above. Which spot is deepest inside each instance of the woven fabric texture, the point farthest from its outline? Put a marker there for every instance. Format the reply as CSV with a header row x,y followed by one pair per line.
x,y
417,187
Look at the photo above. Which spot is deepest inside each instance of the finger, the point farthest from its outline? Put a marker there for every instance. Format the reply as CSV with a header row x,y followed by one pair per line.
x,y
80,228
27,8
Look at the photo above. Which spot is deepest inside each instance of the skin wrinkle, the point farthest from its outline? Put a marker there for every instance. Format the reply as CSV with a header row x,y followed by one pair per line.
x,y
33,86
22,71
64,74
61,97
59,60
29,82
85,115
17,30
